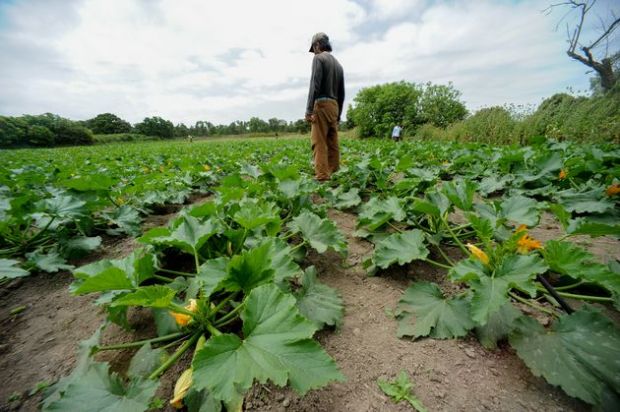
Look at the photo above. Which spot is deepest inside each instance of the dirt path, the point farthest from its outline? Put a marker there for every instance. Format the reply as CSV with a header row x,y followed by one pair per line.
x,y
449,375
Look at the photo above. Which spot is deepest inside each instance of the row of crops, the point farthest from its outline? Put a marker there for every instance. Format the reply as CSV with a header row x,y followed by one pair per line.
x,y
228,281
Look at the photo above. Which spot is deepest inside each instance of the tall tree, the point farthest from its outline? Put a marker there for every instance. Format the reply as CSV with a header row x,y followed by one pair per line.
x,y
595,51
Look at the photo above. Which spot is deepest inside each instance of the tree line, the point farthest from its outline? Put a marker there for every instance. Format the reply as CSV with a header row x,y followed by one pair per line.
x,y
49,129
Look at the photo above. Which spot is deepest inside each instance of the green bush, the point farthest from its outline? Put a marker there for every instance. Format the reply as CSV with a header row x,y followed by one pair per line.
x,y
156,126
43,130
107,123
378,108
560,117
40,136
123,137
13,131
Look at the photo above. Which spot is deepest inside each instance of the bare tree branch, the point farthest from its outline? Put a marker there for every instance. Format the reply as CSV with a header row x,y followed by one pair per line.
x,y
609,30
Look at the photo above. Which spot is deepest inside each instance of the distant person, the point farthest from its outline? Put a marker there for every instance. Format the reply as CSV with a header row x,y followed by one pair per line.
x,y
396,131
190,138
325,101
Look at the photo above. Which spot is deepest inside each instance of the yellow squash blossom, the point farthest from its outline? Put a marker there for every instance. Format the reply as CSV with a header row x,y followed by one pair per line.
x,y
613,189
206,168
563,174
181,318
162,168
526,244
181,388
521,228
478,253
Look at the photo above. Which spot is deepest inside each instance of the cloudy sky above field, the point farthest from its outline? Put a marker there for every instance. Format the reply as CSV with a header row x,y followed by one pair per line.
x,y
230,60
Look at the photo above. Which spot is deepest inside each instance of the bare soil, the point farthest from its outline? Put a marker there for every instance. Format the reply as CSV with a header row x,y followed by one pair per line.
x,y
39,344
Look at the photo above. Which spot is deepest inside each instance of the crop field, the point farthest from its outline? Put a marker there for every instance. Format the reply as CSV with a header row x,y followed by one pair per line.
x,y
219,276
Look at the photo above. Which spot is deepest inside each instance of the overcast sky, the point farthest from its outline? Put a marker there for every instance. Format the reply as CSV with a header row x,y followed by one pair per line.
x,y
226,60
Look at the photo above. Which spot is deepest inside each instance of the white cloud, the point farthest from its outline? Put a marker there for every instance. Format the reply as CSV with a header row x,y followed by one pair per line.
x,y
224,61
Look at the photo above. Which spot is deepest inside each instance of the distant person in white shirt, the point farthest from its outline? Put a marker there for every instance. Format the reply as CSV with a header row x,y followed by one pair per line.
x,y
396,133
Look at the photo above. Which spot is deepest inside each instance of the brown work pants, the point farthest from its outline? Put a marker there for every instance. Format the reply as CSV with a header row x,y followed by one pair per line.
x,y
325,139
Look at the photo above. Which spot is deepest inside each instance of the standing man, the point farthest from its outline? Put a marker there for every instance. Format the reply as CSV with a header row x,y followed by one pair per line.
x,y
325,101
396,133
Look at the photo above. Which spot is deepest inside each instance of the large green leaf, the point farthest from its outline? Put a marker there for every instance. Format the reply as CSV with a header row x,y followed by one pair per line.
x,y
281,260
424,311
249,270
400,248
86,349
580,353
277,346
118,274
211,273
377,212
569,259
146,360
499,326
189,235
79,246
460,193
318,302
321,234
98,390
127,219
520,210
65,207
90,182
591,201
50,262
347,200
594,228
491,292
467,269
9,269
155,296
256,214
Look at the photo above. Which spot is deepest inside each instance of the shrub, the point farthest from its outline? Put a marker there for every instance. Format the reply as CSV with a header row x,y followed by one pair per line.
x,y
156,126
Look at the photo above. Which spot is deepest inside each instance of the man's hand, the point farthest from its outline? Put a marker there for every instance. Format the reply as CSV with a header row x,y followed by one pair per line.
x,y
310,118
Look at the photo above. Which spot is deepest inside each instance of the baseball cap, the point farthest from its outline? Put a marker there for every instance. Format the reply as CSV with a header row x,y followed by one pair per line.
x,y
317,37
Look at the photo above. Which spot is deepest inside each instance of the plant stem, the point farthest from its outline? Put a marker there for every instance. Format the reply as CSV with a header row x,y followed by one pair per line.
x,y
175,272
567,287
213,330
141,342
395,228
229,315
530,304
196,261
180,309
445,256
581,297
175,356
297,247
163,278
40,233
456,239
224,302
441,265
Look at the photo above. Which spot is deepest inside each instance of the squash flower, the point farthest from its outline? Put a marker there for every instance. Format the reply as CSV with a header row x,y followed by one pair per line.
x,y
181,318
521,228
526,244
478,253
181,388
206,168
563,174
613,190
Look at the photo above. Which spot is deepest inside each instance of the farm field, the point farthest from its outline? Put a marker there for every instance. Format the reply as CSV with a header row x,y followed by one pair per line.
x,y
228,260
